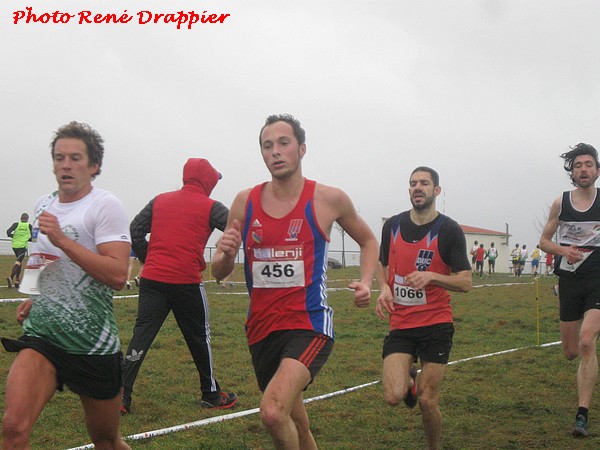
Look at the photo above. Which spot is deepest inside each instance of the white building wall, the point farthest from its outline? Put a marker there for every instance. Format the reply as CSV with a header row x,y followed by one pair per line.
x,y
503,260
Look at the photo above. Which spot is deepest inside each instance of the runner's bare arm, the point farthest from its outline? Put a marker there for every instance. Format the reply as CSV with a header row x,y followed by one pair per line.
x,y
108,266
347,217
223,260
385,301
546,240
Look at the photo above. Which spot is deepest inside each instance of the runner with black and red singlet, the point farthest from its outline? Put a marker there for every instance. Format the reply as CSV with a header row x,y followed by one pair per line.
x,y
422,256
285,226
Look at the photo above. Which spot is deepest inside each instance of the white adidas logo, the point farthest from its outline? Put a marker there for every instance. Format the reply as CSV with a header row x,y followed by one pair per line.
x,y
135,356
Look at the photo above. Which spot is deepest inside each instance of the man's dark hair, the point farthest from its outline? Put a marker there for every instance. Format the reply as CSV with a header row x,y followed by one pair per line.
x,y
299,132
90,137
434,175
578,150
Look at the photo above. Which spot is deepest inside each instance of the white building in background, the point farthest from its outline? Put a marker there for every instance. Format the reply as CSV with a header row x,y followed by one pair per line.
x,y
486,237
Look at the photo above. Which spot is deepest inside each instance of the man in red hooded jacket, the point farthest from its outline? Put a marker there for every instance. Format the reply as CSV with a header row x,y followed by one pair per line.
x,y
180,223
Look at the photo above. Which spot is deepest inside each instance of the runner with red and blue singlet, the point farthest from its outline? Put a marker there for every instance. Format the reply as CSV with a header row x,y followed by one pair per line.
x,y
285,269
284,225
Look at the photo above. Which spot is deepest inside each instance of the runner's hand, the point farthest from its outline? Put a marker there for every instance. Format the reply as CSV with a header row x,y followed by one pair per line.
x,y
362,294
23,310
231,240
385,302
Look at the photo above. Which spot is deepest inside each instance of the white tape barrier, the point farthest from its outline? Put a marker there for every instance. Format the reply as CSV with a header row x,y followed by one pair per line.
x,y
224,292
503,284
20,299
223,418
503,352
199,423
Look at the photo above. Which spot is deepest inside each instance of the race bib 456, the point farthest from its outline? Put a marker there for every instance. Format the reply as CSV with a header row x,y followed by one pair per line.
x,y
278,267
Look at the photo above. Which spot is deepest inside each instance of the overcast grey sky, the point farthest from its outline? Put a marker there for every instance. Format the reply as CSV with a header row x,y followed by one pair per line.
x,y
487,92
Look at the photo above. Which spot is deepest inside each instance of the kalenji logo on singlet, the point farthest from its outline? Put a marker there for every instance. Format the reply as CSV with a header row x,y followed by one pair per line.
x,y
288,253
424,260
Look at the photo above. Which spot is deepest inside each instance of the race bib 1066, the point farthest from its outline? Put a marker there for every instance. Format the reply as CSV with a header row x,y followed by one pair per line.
x,y
278,267
407,296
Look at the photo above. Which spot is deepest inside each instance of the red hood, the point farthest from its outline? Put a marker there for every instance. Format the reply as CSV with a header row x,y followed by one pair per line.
x,y
198,172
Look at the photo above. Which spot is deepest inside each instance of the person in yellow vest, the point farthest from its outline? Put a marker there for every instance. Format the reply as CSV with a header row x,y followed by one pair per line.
x,y
20,233
536,255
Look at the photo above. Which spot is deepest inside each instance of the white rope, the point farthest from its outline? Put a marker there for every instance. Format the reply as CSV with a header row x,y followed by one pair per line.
x,y
217,419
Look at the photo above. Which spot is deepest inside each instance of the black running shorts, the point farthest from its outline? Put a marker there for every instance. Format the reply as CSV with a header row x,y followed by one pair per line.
x,y
577,295
431,343
95,376
20,253
309,347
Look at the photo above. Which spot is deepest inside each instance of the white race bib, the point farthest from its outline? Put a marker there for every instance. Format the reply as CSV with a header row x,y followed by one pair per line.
x,y
565,265
407,296
278,267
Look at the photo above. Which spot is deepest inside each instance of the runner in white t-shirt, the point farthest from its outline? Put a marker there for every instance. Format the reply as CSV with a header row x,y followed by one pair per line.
x,y
70,335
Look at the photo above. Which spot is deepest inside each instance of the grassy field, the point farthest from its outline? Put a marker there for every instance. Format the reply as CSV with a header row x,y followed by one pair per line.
x,y
517,400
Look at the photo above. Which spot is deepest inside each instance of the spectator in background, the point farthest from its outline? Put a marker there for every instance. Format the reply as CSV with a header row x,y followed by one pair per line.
x,y
479,259
226,281
180,223
20,233
136,279
515,256
523,259
473,254
549,263
492,254
536,255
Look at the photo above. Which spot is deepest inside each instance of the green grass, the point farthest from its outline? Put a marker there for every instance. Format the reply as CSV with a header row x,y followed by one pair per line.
x,y
518,400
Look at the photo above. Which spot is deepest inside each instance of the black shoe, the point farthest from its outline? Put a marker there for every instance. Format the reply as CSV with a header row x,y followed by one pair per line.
x,y
9,282
224,400
411,396
580,428
136,280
